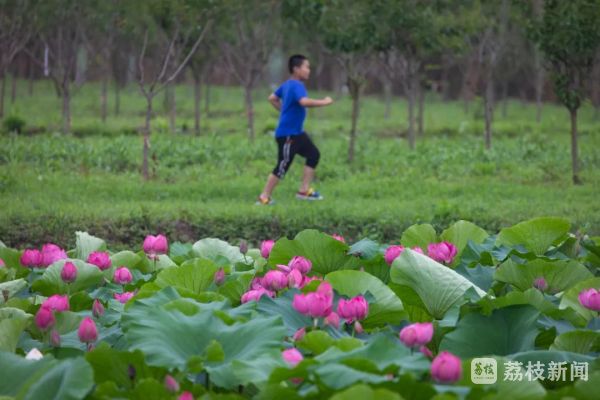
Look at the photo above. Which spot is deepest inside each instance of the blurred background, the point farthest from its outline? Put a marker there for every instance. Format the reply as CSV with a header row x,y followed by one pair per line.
x,y
128,117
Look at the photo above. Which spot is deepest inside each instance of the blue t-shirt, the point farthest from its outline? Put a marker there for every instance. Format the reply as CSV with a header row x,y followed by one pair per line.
x,y
291,118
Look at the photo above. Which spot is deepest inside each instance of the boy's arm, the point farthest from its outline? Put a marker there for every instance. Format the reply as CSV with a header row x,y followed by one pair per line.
x,y
275,101
306,102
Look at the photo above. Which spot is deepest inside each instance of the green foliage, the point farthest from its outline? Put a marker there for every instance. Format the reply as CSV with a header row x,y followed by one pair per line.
x,y
183,324
13,124
568,33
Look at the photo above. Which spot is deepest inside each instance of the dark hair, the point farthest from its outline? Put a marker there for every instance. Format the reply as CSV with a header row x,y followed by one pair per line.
x,y
295,61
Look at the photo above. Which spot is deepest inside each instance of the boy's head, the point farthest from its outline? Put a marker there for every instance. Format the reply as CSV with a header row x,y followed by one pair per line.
x,y
299,66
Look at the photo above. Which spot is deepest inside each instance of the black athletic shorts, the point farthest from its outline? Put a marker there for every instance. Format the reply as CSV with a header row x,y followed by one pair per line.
x,y
289,146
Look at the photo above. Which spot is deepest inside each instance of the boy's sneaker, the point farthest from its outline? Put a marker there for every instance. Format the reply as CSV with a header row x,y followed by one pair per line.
x,y
264,201
310,195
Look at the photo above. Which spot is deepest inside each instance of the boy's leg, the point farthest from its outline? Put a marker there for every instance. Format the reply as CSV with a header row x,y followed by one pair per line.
x,y
307,178
272,181
309,151
286,149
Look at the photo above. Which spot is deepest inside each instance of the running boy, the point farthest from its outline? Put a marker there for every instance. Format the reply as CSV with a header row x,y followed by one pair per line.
x,y
291,100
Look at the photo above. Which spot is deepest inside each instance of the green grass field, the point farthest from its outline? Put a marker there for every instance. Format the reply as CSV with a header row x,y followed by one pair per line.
x,y
52,184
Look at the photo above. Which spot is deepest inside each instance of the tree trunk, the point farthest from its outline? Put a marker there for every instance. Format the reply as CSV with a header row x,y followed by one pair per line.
x,y
574,151
117,98
146,147
595,82
388,95
206,97
30,77
445,80
66,108
504,99
172,110
355,93
489,110
470,80
249,110
411,95
539,88
2,91
197,101
167,98
13,91
420,111
103,99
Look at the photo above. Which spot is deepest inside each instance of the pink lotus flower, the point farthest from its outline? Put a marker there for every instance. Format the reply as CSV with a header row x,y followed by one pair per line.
x,y
443,252
354,309
265,248
31,258
274,280
155,245
52,253
426,351
295,279
34,354
315,304
358,328
100,259
55,338
44,319
186,396
418,250
301,264
244,247
338,238
392,253
292,357
283,268
308,279
97,309
87,332
256,284
299,334
417,334
256,294
57,302
123,297
540,283
122,276
446,368
171,384
300,303
325,289
219,277
590,299
333,319
2,264
69,272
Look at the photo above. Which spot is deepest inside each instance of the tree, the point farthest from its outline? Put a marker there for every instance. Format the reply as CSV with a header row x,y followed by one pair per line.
x,y
568,34
171,31
250,32
408,33
199,66
16,28
492,47
61,26
348,33
101,43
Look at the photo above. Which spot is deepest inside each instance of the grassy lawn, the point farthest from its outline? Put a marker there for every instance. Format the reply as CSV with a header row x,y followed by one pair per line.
x,y
51,184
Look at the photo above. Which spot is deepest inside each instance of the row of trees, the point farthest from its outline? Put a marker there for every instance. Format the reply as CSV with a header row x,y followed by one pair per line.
x,y
401,42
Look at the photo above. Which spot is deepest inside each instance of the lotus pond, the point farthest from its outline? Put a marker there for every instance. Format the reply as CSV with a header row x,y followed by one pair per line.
x,y
461,313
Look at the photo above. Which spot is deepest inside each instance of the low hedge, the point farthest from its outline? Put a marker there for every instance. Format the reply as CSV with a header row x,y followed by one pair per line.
x,y
128,232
